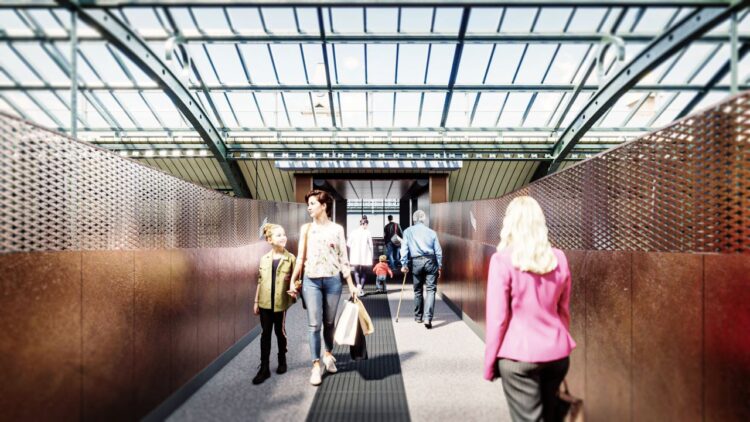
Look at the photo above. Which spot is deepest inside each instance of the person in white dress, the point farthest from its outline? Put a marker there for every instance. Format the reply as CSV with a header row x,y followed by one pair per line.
x,y
361,253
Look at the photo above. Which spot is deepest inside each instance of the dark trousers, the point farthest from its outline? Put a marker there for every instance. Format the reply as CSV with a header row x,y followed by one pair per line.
x,y
424,270
270,320
393,253
531,388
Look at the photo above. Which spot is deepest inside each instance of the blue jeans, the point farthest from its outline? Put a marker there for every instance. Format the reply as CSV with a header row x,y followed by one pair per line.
x,y
393,253
380,282
322,299
424,271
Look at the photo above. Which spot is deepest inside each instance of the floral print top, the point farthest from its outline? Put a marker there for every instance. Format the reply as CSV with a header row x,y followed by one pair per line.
x,y
326,250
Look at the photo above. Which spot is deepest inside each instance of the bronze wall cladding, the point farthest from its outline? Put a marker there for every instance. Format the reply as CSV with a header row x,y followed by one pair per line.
x,y
657,236
684,188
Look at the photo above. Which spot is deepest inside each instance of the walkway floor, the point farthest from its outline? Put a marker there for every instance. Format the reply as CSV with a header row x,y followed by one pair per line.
x,y
441,370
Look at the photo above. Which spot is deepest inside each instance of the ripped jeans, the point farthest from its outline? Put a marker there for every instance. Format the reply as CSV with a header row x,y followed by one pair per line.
x,y
322,299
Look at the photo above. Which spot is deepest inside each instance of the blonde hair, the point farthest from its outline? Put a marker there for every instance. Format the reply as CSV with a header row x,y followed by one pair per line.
x,y
268,229
382,258
524,232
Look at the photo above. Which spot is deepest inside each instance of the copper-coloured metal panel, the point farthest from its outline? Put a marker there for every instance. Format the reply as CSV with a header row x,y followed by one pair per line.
x,y
227,277
185,293
726,339
153,329
244,291
667,322
608,335
40,345
206,272
108,291
577,373
680,189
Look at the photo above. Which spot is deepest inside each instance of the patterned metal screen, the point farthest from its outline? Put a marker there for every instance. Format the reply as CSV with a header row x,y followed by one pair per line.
x,y
60,194
684,188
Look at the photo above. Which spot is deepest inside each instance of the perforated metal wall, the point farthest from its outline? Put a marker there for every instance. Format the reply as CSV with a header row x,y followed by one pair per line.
x,y
683,188
60,194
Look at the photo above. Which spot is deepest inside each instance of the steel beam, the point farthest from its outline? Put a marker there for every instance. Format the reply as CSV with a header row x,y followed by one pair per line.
x,y
138,51
305,130
323,44
456,64
675,38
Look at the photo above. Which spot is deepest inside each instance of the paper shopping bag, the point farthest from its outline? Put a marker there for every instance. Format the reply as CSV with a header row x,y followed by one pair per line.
x,y
364,319
346,327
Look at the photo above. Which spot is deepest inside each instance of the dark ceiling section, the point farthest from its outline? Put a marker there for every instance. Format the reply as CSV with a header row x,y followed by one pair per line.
x,y
370,189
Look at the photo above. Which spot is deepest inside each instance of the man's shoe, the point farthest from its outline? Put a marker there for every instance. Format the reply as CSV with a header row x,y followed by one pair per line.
x,y
428,325
418,320
330,364
263,374
316,375
282,364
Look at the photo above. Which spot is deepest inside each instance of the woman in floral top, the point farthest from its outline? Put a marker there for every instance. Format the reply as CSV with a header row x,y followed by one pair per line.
x,y
324,259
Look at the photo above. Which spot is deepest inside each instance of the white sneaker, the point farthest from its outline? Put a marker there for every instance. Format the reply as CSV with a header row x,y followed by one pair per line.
x,y
316,375
330,364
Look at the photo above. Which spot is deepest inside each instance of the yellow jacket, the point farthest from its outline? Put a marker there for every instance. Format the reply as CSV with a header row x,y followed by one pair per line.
x,y
282,301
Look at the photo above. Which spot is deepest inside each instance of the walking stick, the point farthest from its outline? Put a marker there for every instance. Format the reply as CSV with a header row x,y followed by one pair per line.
x,y
401,296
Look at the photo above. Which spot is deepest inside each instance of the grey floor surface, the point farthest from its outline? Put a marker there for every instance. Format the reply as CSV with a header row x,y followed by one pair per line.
x,y
441,368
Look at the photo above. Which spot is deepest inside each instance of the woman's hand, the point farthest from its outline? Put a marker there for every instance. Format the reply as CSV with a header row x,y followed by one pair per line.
x,y
256,309
293,293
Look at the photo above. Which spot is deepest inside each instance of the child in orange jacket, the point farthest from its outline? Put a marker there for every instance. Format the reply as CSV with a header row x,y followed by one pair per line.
x,y
380,270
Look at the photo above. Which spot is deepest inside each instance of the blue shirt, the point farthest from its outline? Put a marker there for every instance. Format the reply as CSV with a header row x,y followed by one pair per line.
x,y
420,240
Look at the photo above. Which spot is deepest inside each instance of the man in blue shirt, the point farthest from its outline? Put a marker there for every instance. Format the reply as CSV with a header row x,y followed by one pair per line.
x,y
422,248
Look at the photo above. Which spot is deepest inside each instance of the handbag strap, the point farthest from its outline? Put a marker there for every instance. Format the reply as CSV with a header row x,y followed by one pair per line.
x,y
304,255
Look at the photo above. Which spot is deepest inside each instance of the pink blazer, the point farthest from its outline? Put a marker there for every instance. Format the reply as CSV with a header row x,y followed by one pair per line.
x,y
528,314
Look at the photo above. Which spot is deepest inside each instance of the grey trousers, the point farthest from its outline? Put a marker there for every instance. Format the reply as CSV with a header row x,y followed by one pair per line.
x,y
531,388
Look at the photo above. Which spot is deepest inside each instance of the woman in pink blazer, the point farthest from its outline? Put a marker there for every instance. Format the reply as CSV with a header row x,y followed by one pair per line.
x,y
528,292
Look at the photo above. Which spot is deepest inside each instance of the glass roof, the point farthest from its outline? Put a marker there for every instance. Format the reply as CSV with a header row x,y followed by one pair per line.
x,y
260,70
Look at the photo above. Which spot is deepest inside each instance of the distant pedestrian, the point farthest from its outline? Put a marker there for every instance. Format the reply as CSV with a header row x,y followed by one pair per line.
x,y
360,253
422,250
381,269
527,338
392,236
271,300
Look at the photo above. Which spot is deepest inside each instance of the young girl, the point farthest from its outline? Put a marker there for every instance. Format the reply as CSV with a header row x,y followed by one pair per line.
x,y
380,270
271,300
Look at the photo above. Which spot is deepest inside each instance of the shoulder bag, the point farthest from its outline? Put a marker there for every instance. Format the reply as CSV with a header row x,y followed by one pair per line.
x,y
298,282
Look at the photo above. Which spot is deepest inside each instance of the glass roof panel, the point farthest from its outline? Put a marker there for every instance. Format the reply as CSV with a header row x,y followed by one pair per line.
x,y
313,59
42,63
5,107
587,19
227,64
46,21
624,106
441,60
288,63
542,109
515,107
743,67
484,20
354,108
578,104
459,114
105,65
687,65
648,104
168,114
210,20
258,64
552,19
54,106
245,109
226,112
654,20
13,64
412,62
133,70
110,103
432,109
4,80
272,108
381,63
680,101
202,64
143,116
474,61
382,19
416,20
566,64
308,20
29,109
279,20
245,20
87,114
447,20
12,24
382,109
85,72
144,20
183,21
504,63
348,20
487,109
350,63
300,112
518,19
407,109
535,63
